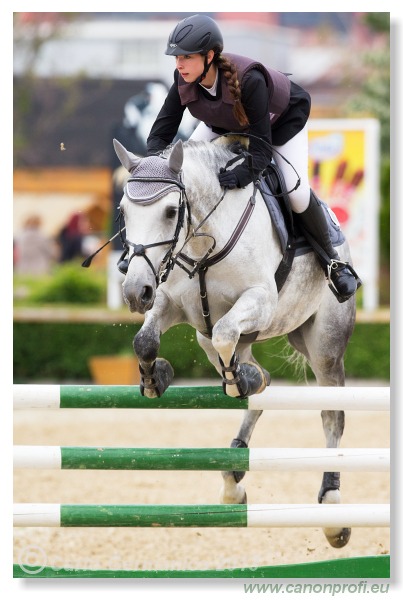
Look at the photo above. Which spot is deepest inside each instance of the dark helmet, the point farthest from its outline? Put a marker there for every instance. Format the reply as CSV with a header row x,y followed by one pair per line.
x,y
194,35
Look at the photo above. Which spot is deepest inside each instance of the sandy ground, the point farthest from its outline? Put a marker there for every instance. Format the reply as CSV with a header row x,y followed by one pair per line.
x,y
201,548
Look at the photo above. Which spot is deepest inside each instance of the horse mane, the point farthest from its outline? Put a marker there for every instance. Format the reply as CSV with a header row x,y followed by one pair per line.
x,y
201,165
209,153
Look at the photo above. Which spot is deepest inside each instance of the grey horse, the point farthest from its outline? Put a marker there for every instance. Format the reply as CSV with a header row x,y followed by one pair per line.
x,y
177,220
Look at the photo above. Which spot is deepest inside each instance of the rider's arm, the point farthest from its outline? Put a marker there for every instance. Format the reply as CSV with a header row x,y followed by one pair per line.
x,y
255,100
167,122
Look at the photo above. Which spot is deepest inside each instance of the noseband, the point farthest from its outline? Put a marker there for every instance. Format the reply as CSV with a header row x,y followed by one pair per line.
x,y
167,262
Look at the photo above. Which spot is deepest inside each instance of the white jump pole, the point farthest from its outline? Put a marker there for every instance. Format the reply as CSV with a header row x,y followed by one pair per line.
x,y
225,515
253,459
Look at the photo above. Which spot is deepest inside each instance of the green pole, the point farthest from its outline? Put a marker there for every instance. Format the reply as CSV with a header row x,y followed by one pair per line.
x,y
365,567
128,396
112,515
160,459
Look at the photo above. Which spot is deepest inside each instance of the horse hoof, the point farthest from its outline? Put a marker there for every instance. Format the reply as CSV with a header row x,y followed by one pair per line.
x,y
267,376
338,538
253,379
244,499
226,498
230,493
248,379
153,385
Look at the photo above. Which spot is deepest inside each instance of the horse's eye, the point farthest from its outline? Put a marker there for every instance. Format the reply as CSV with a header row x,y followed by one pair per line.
x,y
170,212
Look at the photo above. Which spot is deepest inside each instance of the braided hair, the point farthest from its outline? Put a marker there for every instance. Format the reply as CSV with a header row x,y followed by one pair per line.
x,y
231,75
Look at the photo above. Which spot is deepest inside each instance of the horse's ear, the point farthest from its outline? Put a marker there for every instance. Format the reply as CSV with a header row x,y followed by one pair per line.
x,y
129,160
175,160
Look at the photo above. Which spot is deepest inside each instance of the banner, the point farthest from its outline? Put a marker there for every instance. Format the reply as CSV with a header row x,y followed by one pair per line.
x,y
344,172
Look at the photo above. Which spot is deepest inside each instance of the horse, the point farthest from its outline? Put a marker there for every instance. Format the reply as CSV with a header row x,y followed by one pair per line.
x,y
176,214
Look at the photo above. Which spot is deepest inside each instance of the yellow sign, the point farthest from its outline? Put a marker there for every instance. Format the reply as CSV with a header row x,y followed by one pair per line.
x,y
338,177
344,172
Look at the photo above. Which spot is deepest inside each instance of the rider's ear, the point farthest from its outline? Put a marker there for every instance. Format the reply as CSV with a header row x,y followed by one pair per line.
x,y
210,56
175,160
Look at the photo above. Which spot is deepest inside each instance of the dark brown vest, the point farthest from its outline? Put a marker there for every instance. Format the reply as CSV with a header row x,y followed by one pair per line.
x,y
218,113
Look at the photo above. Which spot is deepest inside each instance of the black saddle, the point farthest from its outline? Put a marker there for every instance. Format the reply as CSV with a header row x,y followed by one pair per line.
x,y
292,241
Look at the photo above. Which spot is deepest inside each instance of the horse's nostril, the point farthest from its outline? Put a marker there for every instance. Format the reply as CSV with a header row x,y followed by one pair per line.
x,y
147,294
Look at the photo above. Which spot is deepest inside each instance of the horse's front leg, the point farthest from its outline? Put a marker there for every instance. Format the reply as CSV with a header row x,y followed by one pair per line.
x,y
252,312
156,374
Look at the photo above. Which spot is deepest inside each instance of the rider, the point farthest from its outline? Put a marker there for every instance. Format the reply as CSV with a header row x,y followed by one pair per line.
x,y
232,93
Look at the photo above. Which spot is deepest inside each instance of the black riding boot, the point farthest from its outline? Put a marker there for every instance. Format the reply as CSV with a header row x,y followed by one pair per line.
x,y
343,281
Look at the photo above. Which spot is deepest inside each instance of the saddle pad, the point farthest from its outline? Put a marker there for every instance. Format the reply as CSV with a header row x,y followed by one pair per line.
x,y
280,225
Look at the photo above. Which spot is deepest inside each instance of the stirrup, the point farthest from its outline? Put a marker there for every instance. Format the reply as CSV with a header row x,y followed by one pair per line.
x,y
337,264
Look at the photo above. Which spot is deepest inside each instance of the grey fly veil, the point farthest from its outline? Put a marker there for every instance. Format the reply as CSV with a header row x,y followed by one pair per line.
x,y
151,180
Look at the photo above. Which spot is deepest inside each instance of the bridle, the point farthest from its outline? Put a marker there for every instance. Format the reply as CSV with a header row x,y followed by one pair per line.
x,y
167,263
191,266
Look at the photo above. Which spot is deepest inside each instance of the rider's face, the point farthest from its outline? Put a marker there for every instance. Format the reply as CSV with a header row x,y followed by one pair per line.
x,y
190,66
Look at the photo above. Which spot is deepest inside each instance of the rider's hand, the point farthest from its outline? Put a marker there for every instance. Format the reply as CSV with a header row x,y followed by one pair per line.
x,y
228,179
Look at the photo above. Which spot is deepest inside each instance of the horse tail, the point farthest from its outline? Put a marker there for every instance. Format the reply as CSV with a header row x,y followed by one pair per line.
x,y
299,363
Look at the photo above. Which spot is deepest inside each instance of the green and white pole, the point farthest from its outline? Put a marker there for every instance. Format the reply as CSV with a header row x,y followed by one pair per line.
x,y
272,398
210,515
203,459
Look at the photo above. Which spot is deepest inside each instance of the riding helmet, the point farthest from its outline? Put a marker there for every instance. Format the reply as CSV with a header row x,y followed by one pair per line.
x,y
194,35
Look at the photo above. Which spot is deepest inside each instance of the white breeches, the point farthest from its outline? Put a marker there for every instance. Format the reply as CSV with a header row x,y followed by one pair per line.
x,y
295,151
203,133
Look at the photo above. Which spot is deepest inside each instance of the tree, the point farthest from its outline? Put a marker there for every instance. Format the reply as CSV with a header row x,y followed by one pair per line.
x,y
31,32
374,97
374,100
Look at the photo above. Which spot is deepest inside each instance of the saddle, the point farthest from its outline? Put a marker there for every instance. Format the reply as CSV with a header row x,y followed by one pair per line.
x,y
292,241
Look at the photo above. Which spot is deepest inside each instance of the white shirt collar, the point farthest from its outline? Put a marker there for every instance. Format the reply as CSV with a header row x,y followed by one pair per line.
x,y
213,89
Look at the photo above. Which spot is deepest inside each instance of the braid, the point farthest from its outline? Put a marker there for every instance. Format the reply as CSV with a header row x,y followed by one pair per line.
x,y
231,75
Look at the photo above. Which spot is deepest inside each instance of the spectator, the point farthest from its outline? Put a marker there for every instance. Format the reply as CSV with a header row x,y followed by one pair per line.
x,y
35,253
72,236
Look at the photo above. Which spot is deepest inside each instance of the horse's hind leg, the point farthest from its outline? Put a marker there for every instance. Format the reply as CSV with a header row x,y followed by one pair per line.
x,y
324,347
329,493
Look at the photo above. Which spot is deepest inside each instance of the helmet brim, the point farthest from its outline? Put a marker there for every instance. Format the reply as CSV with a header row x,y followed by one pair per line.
x,y
178,51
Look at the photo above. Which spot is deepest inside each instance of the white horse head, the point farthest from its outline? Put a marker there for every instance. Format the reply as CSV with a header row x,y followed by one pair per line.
x,y
150,210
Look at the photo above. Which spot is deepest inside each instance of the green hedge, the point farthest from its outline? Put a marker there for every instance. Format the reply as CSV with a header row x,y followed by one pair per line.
x,y
58,352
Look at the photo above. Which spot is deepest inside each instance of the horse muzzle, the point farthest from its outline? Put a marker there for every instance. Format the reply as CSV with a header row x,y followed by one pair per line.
x,y
139,296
